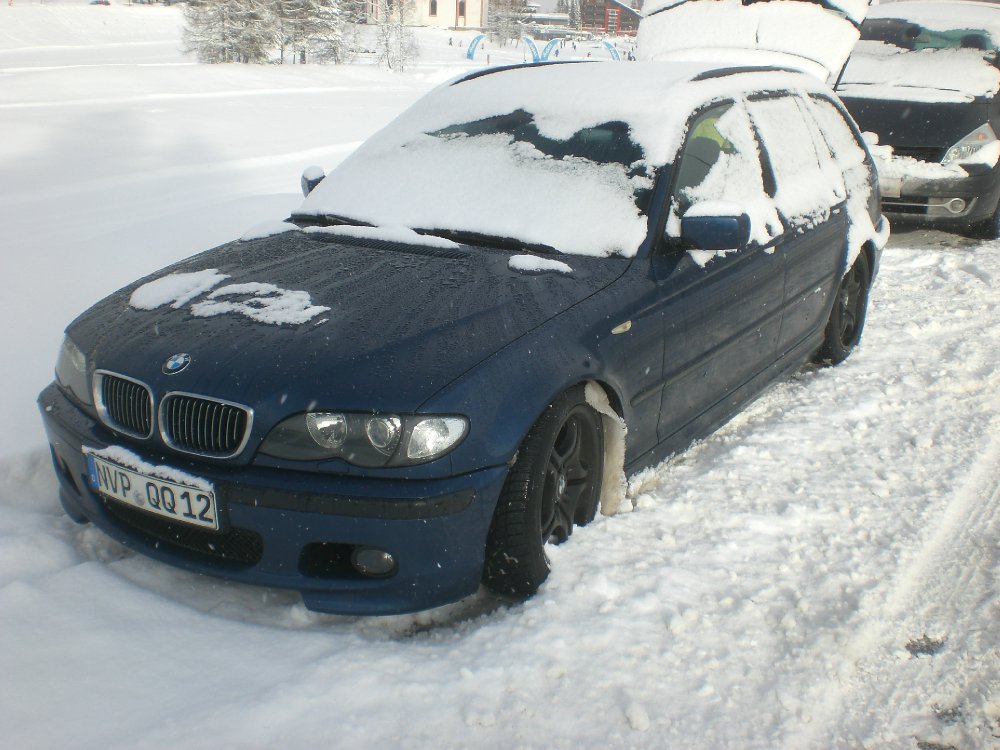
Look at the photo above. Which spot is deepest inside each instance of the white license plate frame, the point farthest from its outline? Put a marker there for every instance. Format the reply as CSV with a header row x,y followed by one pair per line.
x,y
172,501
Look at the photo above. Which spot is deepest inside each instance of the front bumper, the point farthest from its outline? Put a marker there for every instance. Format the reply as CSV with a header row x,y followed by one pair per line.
x,y
297,529
947,202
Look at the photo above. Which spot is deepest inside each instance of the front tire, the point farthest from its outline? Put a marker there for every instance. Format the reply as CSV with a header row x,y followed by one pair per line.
x,y
847,319
554,484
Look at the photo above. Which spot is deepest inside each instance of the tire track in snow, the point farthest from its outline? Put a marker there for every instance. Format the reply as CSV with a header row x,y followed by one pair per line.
x,y
880,700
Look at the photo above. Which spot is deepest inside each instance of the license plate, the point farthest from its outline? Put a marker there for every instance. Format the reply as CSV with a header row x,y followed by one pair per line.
x,y
173,501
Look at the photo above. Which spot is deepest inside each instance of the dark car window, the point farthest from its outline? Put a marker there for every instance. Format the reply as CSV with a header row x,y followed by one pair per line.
x,y
606,143
806,187
912,36
720,161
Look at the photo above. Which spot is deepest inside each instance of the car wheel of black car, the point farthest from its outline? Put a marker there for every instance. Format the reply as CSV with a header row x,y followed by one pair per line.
x,y
554,484
847,319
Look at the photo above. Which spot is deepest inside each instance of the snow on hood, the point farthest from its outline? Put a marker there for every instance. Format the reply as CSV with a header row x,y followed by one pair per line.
x,y
882,71
816,37
438,166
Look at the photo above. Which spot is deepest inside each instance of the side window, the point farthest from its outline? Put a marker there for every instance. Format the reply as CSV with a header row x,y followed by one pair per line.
x,y
847,151
805,191
720,161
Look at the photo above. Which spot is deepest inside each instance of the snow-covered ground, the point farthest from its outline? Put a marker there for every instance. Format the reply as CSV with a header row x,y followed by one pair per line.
x,y
820,573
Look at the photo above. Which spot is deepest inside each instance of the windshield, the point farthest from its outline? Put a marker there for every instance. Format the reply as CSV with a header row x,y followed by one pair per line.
x,y
499,181
908,35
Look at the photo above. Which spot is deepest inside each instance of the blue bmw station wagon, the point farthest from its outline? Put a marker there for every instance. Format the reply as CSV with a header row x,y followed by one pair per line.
x,y
533,282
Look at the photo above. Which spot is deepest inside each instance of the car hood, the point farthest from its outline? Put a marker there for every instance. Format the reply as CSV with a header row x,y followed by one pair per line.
x,y
930,125
815,36
304,320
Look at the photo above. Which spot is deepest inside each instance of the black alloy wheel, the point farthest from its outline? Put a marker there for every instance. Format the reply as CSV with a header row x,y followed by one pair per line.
x,y
847,319
554,485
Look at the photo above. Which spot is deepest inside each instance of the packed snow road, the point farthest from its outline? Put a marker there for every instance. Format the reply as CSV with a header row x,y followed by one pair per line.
x,y
822,572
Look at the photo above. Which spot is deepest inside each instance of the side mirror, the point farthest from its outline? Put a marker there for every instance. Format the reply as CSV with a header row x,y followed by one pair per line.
x,y
311,177
716,226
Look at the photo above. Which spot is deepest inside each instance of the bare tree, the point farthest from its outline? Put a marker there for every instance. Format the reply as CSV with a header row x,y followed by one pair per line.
x,y
397,46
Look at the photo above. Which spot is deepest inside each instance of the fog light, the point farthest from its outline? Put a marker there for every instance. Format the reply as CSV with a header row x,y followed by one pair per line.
x,y
956,205
375,563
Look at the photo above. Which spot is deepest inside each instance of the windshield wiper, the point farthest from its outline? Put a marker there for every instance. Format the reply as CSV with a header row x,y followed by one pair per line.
x,y
487,240
326,220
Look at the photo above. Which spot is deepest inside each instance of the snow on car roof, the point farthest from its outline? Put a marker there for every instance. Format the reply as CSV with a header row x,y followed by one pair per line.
x,y
420,172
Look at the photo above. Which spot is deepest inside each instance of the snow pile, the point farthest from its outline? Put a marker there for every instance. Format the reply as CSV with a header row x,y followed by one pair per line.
x,y
403,235
267,229
534,264
263,303
260,302
175,289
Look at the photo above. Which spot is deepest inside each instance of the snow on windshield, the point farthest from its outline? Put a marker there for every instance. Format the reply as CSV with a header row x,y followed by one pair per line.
x,y
560,156
944,16
882,71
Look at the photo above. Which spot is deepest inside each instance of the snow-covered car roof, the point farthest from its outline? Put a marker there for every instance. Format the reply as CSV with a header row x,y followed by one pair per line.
x,y
815,36
879,70
445,163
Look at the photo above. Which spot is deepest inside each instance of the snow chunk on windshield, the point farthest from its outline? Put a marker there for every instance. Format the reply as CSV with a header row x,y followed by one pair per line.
x,y
176,289
534,264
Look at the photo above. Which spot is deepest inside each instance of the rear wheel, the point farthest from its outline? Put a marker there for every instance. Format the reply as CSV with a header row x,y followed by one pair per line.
x,y
554,485
847,319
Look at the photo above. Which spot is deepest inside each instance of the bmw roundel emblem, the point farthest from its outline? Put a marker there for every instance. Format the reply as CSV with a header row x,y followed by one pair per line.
x,y
176,364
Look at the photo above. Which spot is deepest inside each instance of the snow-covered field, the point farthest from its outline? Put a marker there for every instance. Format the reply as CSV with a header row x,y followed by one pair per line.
x,y
821,573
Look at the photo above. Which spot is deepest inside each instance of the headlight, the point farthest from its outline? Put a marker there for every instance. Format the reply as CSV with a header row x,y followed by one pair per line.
x,y
978,147
365,439
71,371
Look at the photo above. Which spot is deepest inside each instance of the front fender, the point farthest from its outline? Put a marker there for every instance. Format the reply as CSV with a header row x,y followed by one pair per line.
x,y
504,395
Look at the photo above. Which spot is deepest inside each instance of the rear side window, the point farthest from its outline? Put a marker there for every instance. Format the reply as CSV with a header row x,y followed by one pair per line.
x,y
805,188
720,161
847,152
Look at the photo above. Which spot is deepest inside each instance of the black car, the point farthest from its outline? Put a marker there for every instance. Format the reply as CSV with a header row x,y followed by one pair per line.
x,y
924,79
535,280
